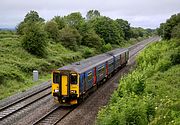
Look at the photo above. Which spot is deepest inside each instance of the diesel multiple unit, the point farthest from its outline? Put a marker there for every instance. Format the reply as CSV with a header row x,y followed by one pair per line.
x,y
72,83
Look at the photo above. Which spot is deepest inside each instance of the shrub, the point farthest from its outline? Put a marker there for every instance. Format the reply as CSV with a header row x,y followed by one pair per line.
x,y
130,110
91,39
175,57
70,38
106,47
87,52
34,39
52,30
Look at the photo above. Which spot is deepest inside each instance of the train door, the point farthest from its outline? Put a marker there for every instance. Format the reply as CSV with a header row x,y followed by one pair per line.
x,y
64,85
94,83
84,81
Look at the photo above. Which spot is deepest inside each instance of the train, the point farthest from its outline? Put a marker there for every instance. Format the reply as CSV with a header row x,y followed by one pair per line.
x,y
72,83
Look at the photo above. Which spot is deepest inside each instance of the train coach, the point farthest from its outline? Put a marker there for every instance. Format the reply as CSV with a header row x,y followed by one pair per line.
x,y
72,83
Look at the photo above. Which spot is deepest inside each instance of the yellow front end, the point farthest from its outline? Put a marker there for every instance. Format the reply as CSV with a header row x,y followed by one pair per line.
x,y
65,87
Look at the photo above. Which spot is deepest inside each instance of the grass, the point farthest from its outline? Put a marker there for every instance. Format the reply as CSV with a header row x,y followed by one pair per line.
x,y
151,93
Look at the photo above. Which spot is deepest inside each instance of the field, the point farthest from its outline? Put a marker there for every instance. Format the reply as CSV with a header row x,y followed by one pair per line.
x,y
151,93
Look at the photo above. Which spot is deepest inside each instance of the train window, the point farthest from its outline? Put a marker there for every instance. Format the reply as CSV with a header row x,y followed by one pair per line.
x,y
127,55
101,70
110,64
73,79
90,76
56,78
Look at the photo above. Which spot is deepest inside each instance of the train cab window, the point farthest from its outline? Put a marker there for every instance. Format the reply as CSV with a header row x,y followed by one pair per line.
x,y
73,78
56,78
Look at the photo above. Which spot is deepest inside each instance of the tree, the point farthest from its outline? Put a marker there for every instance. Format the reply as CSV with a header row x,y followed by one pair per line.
x,y
60,22
85,28
52,30
92,14
70,38
91,39
176,32
34,39
166,29
31,17
125,26
20,28
108,29
139,32
74,20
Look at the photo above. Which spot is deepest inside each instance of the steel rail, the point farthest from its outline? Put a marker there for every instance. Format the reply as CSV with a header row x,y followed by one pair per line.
x,y
53,115
3,112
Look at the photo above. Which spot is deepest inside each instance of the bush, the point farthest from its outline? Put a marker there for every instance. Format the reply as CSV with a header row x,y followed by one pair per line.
x,y
70,38
175,57
106,47
91,39
34,39
52,30
87,52
130,110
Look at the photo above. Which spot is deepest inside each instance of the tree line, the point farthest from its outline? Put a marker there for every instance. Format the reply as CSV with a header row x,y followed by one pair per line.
x,y
94,30
171,28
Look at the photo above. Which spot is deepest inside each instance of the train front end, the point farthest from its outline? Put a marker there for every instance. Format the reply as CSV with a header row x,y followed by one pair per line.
x,y
65,87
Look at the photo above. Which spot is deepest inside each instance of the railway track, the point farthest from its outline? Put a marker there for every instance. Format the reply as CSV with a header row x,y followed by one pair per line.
x,y
54,116
16,106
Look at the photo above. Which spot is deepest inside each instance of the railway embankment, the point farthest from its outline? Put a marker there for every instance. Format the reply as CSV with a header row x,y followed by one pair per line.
x,y
151,93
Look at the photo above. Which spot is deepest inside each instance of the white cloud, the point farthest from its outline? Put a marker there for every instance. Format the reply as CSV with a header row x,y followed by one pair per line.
x,y
145,13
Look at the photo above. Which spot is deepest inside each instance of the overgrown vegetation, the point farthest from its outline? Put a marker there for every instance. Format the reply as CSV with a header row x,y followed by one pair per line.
x,y
45,46
170,29
151,93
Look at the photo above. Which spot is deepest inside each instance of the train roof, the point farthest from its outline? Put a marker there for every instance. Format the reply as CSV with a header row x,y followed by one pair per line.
x,y
116,52
91,62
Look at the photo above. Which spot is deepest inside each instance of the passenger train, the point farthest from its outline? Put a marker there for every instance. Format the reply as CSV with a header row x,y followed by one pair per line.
x,y
71,84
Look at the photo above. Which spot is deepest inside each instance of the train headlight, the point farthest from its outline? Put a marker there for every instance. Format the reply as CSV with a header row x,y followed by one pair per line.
x,y
73,91
56,90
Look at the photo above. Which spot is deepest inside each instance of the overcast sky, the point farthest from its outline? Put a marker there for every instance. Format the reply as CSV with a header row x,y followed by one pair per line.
x,y
143,13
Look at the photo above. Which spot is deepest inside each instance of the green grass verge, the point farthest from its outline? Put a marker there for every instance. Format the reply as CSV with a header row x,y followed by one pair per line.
x,y
151,93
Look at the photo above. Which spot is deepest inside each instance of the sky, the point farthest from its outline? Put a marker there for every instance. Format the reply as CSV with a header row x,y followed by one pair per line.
x,y
139,13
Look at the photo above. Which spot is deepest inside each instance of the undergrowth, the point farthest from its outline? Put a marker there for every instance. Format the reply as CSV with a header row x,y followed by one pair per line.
x,y
151,93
